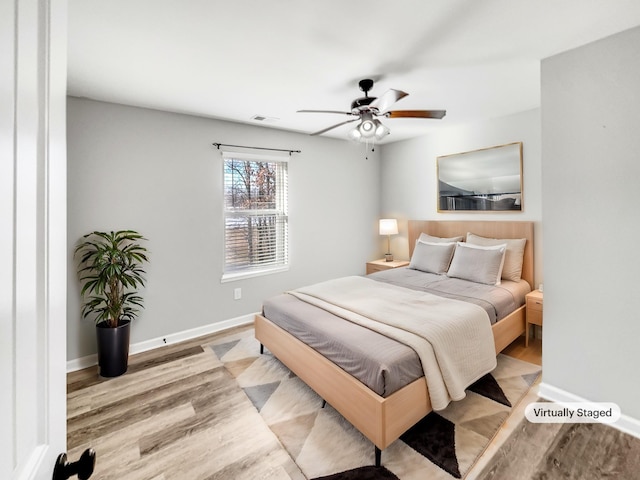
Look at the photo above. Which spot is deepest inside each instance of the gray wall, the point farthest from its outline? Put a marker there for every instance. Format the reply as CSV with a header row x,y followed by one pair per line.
x,y
409,176
158,173
590,137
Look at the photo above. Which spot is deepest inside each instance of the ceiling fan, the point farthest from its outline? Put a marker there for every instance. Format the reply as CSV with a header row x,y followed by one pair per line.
x,y
367,108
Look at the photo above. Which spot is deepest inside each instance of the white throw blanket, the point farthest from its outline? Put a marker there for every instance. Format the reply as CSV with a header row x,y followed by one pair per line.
x,y
453,339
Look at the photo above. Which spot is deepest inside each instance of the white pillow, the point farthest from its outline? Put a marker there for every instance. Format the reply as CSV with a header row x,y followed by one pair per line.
x,y
477,263
432,257
513,259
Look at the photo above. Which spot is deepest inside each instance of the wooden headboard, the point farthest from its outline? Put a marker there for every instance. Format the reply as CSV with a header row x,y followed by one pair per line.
x,y
499,229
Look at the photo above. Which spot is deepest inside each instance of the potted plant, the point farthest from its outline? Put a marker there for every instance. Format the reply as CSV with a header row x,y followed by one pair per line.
x,y
110,271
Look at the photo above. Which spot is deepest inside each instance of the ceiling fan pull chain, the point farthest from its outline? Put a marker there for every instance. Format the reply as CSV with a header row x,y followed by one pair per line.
x,y
366,147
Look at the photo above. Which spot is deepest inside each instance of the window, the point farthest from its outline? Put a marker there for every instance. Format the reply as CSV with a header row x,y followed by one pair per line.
x,y
255,215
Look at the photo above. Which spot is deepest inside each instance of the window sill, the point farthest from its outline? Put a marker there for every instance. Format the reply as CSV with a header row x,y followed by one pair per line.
x,y
232,277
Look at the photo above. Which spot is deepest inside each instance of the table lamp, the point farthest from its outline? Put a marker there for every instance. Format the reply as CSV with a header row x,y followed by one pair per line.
x,y
388,227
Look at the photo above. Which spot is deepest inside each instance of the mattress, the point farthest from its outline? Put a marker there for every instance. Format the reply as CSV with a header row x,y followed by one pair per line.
x,y
381,363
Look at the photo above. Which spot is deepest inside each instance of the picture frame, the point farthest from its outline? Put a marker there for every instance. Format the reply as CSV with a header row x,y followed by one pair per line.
x,y
485,180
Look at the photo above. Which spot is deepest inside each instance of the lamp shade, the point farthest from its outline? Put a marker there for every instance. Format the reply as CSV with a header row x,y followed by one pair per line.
x,y
388,226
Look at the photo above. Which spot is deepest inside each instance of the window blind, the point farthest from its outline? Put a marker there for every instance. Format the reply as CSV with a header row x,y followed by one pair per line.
x,y
255,214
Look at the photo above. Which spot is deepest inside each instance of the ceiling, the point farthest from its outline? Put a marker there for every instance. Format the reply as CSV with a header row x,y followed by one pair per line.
x,y
237,59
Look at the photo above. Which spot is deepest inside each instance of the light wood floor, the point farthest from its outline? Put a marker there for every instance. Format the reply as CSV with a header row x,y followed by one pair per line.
x,y
580,451
531,354
177,413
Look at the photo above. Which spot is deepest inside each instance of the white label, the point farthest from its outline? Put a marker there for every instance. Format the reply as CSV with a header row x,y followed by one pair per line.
x,y
573,412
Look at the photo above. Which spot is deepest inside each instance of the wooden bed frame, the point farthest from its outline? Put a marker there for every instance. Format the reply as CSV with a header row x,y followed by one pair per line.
x,y
384,419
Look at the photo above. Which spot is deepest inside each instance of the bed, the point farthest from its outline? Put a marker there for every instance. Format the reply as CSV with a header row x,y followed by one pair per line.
x,y
383,417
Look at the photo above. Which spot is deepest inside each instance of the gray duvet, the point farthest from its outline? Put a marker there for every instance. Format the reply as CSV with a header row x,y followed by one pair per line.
x,y
381,363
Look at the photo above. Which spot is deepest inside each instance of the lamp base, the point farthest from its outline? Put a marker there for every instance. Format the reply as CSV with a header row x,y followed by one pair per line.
x,y
388,257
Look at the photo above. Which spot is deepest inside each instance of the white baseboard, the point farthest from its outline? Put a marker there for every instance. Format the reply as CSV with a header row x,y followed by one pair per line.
x,y
626,424
91,360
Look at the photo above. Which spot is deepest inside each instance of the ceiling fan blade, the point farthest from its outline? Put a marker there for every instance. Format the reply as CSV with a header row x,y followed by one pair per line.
x,y
388,98
416,114
335,126
324,111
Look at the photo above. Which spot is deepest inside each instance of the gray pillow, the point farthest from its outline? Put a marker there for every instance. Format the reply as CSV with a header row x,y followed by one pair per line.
x,y
478,264
432,257
513,258
430,239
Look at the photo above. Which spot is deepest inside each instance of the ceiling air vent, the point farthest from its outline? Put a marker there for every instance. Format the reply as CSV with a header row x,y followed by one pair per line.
x,y
263,118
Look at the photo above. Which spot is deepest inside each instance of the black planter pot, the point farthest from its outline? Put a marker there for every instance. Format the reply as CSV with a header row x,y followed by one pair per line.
x,y
113,348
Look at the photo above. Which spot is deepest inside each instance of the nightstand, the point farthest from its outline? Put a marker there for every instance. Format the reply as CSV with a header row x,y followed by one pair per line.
x,y
379,265
534,312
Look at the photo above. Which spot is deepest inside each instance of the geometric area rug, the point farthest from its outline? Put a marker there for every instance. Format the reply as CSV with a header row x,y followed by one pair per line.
x,y
444,445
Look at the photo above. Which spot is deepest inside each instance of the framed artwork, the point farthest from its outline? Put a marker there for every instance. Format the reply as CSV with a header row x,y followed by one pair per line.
x,y
488,180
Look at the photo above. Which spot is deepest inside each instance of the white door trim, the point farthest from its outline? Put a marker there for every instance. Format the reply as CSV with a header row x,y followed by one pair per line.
x,y
33,249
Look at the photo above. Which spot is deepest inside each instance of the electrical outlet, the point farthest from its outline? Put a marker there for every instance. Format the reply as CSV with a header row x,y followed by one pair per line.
x,y
237,293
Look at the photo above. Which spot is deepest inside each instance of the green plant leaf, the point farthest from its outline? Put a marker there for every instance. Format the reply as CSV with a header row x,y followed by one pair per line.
x,y
110,271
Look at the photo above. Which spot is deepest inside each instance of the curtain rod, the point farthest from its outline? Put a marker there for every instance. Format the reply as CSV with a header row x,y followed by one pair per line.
x,y
218,145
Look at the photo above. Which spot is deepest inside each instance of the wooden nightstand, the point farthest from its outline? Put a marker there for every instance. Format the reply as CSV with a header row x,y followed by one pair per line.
x,y
534,312
379,265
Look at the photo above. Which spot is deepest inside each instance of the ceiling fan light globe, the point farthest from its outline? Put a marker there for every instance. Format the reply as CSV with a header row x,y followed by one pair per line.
x,y
367,128
355,135
381,130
